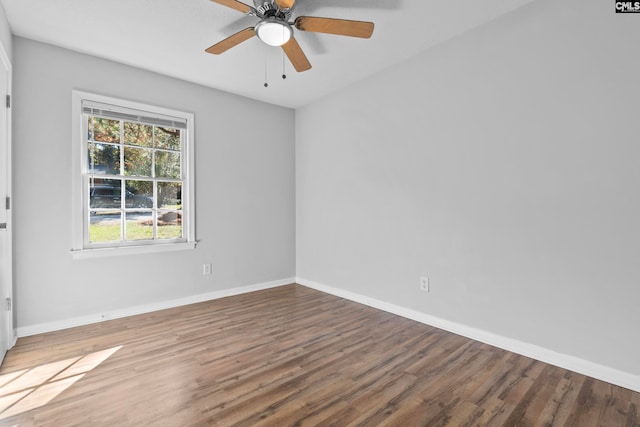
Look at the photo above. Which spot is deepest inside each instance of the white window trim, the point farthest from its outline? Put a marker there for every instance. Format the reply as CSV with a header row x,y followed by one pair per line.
x,y
78,159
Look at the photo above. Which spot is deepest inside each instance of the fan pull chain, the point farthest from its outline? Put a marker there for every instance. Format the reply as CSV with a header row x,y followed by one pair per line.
x,y
284,75
266,80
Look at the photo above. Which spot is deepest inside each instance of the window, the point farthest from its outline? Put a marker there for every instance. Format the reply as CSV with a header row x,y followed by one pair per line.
x,y
133,186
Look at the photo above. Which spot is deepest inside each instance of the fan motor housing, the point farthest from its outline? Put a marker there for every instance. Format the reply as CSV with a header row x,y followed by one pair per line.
x,y
265,7
268,9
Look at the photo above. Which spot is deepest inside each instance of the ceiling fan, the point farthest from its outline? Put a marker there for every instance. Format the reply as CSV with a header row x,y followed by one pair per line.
x,y
275,29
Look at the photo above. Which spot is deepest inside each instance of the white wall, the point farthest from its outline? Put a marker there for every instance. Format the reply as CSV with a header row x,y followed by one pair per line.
x,y
504,165
244,191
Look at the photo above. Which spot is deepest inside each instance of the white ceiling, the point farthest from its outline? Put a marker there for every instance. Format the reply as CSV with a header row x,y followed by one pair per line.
x,y
170,36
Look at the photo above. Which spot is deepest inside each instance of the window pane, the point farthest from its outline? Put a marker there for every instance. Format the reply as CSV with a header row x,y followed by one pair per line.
x,y
137,162
168,138
133,172
139,194
105,194
138,134
169,225
104,159
104,130
139,226
105,226
169,195
167,164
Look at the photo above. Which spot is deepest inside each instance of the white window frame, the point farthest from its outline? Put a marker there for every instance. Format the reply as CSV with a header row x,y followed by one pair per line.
x,y
80,170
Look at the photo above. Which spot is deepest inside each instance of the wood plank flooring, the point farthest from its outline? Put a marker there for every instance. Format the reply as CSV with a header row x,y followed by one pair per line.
x,y
290,356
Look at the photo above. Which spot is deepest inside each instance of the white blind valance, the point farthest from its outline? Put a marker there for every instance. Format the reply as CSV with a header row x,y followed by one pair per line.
x,y
113,112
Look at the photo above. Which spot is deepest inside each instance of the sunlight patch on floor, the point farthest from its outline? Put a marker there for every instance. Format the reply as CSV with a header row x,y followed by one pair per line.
x,y
28,389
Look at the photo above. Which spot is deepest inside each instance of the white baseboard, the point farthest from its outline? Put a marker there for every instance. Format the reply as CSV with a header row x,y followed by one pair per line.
x,y
565,361
25,331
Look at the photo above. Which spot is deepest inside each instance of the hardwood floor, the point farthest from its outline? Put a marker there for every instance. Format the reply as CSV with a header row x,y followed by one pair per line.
x,y
290,356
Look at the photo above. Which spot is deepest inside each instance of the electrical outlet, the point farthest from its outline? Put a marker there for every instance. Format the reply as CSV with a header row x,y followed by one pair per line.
x,y
206,269
424,284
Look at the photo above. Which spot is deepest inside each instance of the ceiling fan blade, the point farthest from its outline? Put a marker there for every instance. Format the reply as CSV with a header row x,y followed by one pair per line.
x,y
234,4
341,27
295,54
285,4
231,41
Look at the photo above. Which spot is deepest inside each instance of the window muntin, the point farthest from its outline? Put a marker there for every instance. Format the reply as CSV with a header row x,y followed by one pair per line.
x,y
135,175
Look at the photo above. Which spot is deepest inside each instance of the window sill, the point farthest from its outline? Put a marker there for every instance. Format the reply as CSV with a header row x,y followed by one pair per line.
x,y
131,250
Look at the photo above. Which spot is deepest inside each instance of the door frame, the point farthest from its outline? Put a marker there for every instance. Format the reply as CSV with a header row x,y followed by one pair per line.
x,y
8,267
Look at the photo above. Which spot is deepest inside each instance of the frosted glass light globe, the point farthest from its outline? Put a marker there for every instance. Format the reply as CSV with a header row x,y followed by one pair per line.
x,y
274,33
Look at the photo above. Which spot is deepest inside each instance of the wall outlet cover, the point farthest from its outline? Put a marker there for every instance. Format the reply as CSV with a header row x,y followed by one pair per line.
x,y
424,284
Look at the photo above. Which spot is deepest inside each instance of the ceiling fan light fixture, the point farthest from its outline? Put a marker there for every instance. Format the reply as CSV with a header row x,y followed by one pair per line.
x,y
274,32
